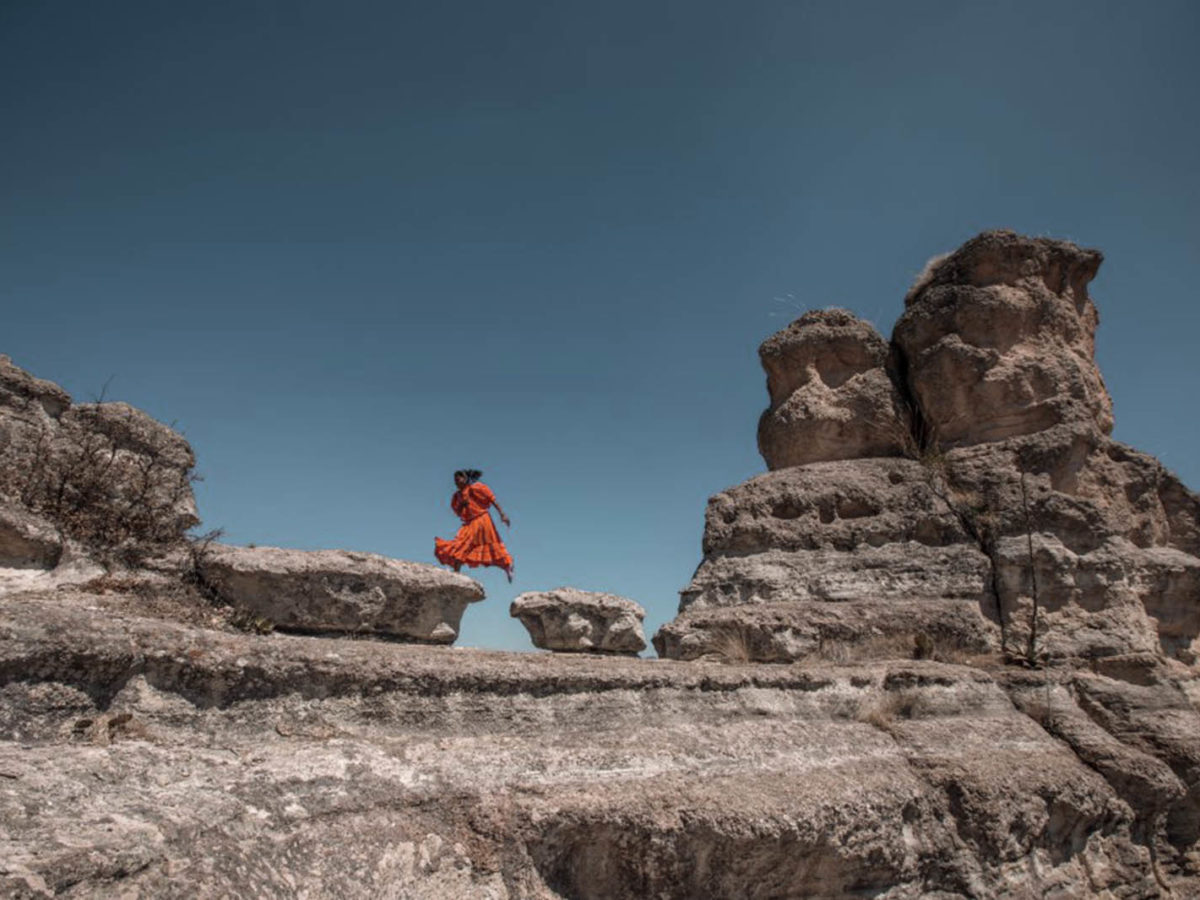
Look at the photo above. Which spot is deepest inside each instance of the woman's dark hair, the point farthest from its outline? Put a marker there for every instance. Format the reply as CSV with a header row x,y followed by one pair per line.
x,y
472,475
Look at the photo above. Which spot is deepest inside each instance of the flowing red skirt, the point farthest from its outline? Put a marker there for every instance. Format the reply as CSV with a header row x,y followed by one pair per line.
x,y
476,544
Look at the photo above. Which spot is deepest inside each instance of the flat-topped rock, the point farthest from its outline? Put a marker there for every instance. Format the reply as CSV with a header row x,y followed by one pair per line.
x,y
342,591
574,621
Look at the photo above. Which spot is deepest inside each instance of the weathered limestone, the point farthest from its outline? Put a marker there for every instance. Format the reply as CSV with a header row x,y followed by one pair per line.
x,y
830,632
150,758
988,680
1000,341
341,591
26,540
570,620
831,394
1070,545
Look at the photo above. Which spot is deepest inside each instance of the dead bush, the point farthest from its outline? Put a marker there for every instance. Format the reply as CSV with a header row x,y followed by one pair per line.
x,y
119,500
729,644
884,710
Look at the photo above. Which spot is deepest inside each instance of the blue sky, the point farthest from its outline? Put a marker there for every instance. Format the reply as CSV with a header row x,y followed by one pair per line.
x,y
349,247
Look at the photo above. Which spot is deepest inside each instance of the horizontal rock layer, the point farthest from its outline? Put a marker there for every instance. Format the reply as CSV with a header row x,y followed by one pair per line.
x,y
341,591
153,759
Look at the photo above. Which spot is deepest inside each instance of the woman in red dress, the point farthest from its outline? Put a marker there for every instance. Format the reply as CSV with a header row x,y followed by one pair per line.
x,y
477,542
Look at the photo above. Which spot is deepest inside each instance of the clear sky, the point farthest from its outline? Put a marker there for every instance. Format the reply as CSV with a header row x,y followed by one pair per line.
x,y
348,247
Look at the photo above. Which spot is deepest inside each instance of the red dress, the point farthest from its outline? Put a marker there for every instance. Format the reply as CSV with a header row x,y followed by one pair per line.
x,y
477,542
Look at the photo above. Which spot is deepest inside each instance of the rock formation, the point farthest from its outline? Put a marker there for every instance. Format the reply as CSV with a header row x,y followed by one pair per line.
x,y
999,341
341,591
1015,528
1047,538
983,613
570,620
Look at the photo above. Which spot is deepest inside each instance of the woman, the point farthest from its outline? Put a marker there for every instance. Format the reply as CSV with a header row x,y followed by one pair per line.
x,y
477,543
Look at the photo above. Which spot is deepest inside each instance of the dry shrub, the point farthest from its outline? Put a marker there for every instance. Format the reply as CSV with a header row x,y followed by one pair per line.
x,y
882,646
925,276
884,710
119,500
729,644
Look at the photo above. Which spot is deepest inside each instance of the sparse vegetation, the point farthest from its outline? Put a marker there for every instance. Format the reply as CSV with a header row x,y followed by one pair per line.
x,y
885,709
729,644
244,620
925,276
119,501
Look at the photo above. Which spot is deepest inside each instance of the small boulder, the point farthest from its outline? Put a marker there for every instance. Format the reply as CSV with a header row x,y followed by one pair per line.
x,y
832,396
570,620
342,591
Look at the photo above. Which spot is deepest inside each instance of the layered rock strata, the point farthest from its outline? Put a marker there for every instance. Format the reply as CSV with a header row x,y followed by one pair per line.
x,y
574,621
341,591
1016,531
148,758
1015,503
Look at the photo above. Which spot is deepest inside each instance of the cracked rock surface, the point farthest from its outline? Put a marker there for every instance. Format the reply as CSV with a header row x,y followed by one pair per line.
x,y
341,591
144,758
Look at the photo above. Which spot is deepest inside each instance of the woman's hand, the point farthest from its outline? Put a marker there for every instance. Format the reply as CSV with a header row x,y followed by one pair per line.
x,y
504,519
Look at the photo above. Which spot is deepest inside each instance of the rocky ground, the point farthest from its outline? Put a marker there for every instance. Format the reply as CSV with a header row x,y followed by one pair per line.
x,y
144,757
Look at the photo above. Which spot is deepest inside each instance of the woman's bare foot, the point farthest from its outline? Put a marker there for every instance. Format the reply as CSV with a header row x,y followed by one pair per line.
x,y
509,572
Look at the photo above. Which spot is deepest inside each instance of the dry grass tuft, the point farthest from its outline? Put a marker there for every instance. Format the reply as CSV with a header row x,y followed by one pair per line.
x,y
883,711
729,644
925,276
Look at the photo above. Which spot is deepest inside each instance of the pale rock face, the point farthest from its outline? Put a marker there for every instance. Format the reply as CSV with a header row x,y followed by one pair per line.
x,y
341,591
831,394
1070,545
1102,536
1000,341
570,620
152,759
830,632
826,549
26,540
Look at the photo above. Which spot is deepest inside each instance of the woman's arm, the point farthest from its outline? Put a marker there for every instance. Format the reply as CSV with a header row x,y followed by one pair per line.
x,y
503,517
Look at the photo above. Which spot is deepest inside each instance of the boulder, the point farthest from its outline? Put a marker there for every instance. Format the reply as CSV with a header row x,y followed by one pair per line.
x,y
341,591
570,620
999,340
831,394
